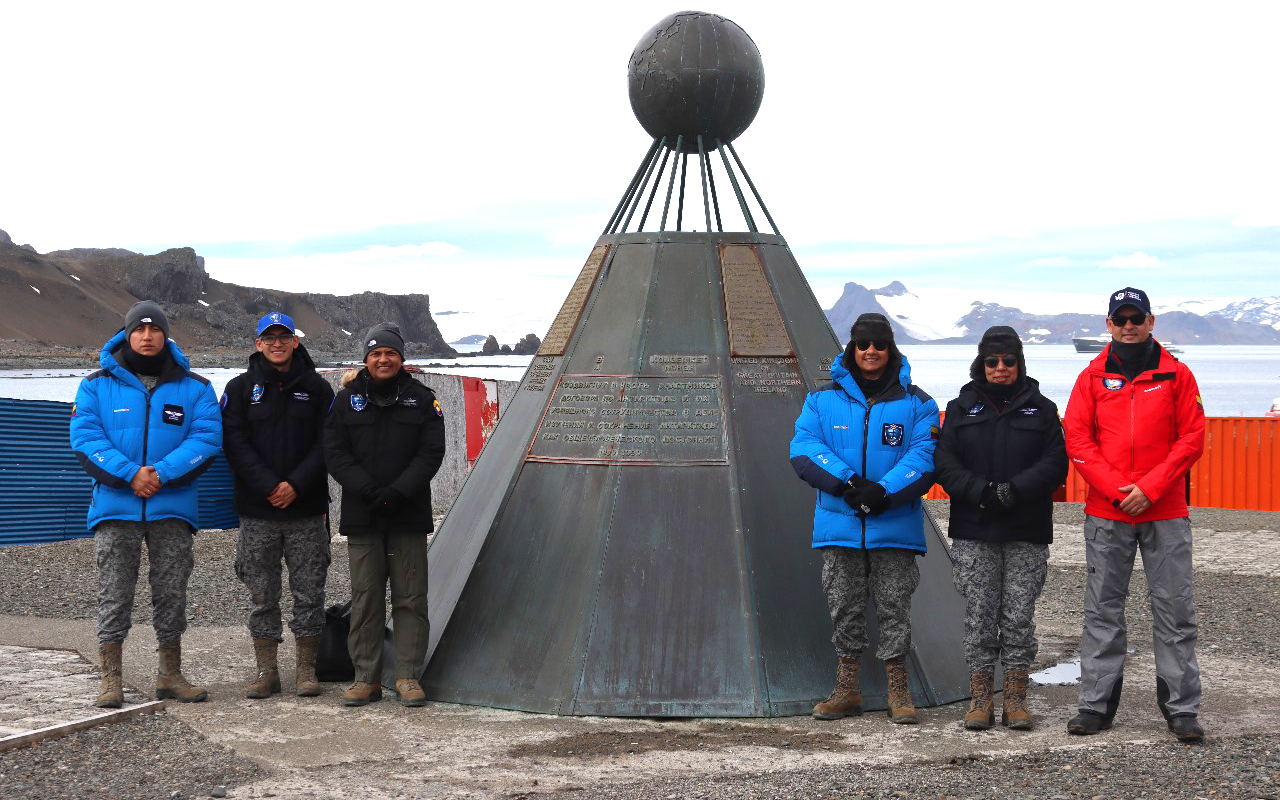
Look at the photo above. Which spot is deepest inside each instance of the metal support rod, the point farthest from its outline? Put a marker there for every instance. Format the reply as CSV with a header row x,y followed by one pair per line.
x,y
684,168
657,179
702,170
747,178
671,184
715,198
737,190
631,187
640,189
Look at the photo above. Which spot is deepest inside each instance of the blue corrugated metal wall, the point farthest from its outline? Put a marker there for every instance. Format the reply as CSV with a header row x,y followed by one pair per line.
x,y
44,494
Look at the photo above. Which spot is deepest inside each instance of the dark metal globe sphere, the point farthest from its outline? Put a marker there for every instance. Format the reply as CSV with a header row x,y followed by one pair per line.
x,y
695,73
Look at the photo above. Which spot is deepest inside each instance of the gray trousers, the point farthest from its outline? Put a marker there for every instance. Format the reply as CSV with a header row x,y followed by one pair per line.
x,y
1166,558
117,546
375,559
890,576
1000,583
303,544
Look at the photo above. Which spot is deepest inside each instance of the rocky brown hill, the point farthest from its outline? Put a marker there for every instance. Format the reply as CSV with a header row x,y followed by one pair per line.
x,y
73,299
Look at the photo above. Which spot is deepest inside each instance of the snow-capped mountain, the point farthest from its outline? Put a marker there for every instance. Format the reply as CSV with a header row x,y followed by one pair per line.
x,y
1260,310
951,315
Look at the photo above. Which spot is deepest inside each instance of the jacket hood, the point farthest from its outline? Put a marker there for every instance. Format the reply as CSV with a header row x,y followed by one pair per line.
x,y
844,379
107,359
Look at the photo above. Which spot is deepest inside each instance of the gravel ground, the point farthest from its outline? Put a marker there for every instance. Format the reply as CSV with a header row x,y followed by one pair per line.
x,y
159,755
151,756
1247,767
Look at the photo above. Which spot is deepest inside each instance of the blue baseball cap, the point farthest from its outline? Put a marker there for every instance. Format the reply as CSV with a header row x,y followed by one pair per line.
x,y
275,318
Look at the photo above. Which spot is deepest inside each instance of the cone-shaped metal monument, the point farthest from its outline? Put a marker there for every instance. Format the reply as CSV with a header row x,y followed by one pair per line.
x,y
633,541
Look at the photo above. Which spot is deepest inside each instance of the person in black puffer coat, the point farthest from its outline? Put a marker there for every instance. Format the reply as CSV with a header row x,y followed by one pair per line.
x,y
1001,456
273,417
384,442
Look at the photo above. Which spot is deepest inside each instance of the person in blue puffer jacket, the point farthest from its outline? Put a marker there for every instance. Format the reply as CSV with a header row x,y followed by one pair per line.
x,y
144,427
865,442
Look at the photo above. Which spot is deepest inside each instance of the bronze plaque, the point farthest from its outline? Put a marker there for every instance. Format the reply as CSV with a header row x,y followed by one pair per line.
x,y
755,324
766,375
633,419
557,338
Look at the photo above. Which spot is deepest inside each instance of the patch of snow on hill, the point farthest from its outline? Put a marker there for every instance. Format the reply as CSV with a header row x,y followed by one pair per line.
x,y
1260,310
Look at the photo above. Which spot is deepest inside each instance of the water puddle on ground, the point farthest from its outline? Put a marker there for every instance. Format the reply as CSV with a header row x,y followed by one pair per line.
x,y
1066,673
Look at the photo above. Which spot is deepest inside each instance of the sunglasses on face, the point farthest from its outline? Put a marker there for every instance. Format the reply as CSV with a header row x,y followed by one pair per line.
x,y
865,344
994,361
1119,320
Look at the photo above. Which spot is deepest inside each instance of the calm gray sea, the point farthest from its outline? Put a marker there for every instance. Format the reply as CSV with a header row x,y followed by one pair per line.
x,y
1234,381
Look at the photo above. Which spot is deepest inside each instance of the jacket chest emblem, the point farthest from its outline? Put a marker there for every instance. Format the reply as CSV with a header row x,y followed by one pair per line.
x,y
259,389
409,402
173,415
358,402
1113,384
1030,412
892,434
976,409
302,396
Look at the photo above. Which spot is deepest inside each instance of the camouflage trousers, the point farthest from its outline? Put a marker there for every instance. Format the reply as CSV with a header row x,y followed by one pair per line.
x,y
304,546
117,546
890,576
1000,583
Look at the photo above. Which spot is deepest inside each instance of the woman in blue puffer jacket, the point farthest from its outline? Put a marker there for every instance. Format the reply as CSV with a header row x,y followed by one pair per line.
x,y
866,442
144,427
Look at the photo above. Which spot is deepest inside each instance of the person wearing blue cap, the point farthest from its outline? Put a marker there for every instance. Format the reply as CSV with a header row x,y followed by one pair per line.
x,y
273,421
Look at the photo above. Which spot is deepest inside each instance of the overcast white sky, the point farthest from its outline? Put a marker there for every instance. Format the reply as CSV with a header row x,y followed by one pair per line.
x,y
475,151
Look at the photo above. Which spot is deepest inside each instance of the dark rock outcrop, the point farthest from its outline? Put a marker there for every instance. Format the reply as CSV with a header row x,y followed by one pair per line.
x,y
528,345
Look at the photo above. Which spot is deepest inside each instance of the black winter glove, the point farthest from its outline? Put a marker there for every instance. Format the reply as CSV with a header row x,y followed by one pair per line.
x,y
1007,495
389,502
369,494
869,500
852,486
991,498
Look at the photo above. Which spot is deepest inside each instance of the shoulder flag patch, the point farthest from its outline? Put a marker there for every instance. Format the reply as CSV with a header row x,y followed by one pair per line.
x,y
934,432
439,410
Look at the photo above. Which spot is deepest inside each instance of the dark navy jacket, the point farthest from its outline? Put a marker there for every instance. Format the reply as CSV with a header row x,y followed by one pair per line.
x,y
118,427
889,440
273,431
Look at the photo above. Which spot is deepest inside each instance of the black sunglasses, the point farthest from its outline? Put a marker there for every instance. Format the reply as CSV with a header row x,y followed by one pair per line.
x,y
994,361
864,344
1119,320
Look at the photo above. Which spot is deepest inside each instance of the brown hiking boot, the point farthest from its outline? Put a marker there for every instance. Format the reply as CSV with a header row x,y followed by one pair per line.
x,y
982,708
901,710
268,681
307,646
410,692
111,694
1016,714
362,693
846,698
169,680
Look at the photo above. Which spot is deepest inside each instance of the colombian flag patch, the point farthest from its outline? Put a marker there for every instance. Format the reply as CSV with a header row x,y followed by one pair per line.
x,y
439,410
934,431
1199,402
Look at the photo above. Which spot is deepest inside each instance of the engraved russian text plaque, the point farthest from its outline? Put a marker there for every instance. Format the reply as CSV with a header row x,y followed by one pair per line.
x,y
633,419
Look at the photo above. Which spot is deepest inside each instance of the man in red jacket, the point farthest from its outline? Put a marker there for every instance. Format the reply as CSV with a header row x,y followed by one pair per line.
x,y
1134,426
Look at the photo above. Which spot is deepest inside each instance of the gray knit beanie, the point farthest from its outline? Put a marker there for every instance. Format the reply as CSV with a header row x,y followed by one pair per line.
x,y
384,334
146,312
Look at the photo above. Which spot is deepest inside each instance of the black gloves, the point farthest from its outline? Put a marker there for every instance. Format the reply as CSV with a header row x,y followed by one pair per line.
x,y
369,494
388,503
999,496
869,499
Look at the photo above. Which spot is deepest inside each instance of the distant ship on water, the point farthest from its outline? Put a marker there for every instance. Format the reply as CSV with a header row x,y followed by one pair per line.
x,y
1096,344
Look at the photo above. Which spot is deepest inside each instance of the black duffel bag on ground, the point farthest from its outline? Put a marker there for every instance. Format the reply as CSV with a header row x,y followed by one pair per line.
x,y
333,662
